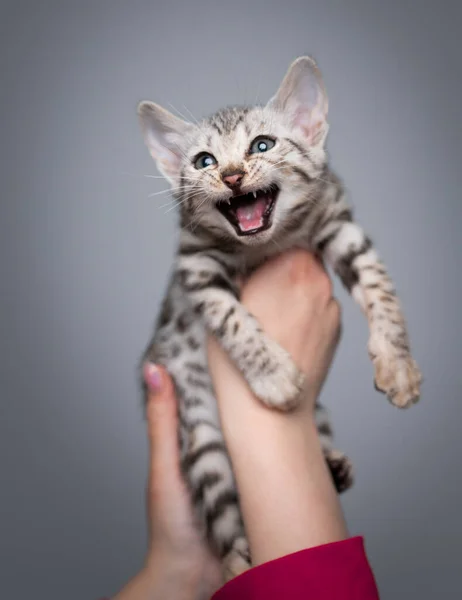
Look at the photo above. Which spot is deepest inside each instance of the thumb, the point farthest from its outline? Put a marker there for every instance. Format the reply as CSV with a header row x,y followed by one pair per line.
x,y
162,421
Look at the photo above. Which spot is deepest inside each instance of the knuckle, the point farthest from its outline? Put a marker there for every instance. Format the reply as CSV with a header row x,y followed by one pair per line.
x,y
336,318
301,266
336,310
307,269
324,285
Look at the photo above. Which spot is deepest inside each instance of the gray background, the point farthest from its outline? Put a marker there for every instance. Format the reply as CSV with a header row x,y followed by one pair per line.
x,y
85,254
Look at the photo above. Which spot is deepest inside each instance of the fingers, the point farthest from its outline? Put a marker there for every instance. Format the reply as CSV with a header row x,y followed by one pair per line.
x,y
162,418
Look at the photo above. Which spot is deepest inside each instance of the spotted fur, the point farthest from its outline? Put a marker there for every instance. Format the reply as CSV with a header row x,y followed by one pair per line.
x,y
311,212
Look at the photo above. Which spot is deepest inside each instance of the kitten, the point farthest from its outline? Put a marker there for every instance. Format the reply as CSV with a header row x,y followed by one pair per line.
x,y
251,182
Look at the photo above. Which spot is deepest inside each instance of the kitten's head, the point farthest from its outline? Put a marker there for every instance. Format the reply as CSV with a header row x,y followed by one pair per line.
x,y
241,172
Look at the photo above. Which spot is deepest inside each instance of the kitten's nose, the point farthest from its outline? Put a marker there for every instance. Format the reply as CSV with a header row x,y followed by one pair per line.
x,y
234,180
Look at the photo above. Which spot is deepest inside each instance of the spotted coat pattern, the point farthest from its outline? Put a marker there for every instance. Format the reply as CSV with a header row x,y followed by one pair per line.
x,y
311,212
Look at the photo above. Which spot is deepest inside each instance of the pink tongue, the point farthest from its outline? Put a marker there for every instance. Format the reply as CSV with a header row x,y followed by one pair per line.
x,y
250,216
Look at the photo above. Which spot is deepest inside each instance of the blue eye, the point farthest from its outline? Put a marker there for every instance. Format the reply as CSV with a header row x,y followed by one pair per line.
x,y
204,160
261,144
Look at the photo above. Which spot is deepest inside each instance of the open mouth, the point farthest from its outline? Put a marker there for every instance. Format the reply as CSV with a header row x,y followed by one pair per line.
x,y
251,213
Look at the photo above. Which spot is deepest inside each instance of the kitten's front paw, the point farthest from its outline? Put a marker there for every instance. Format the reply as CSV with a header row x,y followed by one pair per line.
x,y
275,378
397,375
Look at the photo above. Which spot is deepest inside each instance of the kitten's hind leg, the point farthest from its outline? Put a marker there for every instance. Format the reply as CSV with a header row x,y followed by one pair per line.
x,y
340,466
207,469
237,559
208,472
205,463
341,470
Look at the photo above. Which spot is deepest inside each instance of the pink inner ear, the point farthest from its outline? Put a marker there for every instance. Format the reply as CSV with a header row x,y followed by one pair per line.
x,y
302,120
166,159
170,164
309,123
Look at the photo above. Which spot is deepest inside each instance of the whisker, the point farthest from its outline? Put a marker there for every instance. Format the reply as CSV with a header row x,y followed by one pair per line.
x,y
196,121
163,192
168,204
279,168
276,244
142,175
195,221
172,190
321,179
193,117
175,201
279,162
172,208
158,193
187,120
180,113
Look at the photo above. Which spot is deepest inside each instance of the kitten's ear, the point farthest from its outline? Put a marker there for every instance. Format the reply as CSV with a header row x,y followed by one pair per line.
x,y
164,135
302,97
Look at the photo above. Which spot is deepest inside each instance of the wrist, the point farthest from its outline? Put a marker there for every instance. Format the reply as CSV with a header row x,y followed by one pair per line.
x,y
171,577
159,579
245,418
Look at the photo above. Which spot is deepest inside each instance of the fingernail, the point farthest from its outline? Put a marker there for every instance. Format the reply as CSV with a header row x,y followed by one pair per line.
x,y
152,377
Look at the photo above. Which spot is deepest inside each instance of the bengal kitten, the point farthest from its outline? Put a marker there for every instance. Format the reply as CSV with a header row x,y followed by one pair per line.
x,y
249,183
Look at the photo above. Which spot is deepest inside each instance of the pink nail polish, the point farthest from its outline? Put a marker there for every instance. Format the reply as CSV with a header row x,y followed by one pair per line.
x,y
152,377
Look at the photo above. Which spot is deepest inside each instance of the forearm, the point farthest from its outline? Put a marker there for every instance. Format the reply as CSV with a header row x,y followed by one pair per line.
x,y
287,496
294,487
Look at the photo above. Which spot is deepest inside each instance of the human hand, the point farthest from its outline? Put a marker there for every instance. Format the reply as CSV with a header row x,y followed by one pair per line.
x,y
179,563
294,505
291,296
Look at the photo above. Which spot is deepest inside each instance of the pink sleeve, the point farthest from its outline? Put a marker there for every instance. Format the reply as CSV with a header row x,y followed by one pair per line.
x,y
337,571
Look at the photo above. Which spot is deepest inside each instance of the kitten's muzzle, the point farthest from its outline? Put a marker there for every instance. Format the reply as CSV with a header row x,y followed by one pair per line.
x,y
250,213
